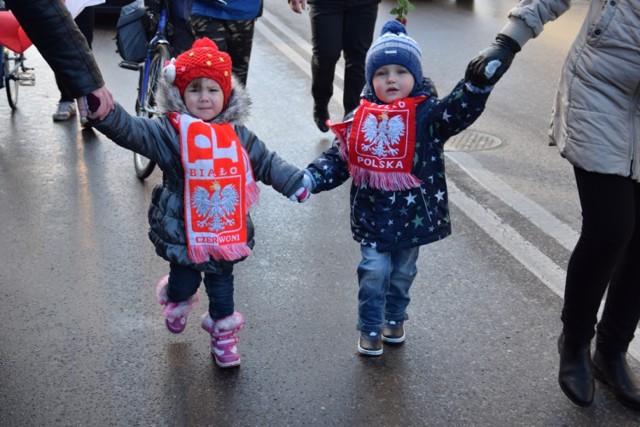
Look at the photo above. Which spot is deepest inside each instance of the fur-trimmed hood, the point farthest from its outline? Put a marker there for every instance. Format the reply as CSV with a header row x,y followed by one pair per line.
x,y
236,112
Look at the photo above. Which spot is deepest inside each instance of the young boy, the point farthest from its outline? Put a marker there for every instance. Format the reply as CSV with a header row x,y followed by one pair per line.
x,y
199,216
392,148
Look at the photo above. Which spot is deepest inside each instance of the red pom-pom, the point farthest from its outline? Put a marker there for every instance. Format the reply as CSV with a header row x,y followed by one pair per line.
x,y
204,42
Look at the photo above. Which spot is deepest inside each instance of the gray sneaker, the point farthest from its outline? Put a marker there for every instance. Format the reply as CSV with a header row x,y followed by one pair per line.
x,y
64,111
370,344
393,332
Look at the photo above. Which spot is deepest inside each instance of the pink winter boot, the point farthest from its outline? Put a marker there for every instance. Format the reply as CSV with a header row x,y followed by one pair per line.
x,y
175,313
223,338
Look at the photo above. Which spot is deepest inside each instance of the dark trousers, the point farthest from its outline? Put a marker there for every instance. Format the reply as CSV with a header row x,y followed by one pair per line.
x,y
233,37
185,281
85,21
181,38
337,28
607,255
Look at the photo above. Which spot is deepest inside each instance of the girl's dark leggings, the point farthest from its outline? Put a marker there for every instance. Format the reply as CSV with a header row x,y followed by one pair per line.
x,y
184,282
607,255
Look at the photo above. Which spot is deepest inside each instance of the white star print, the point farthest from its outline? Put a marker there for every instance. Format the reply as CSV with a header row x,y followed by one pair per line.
x,y
410,199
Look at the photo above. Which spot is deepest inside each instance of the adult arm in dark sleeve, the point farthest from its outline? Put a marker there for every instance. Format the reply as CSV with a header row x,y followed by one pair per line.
x,y
52,30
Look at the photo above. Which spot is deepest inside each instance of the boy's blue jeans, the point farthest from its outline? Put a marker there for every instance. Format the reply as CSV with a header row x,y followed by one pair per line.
x,y
185,281
384,279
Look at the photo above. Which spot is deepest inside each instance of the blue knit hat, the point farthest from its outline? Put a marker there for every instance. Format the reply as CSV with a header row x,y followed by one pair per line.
x,y
394,47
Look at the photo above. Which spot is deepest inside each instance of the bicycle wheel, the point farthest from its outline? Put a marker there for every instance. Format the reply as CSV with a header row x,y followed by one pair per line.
x,y
11,80
147,107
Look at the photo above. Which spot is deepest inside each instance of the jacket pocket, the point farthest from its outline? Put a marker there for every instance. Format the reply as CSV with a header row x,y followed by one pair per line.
x,y
601,21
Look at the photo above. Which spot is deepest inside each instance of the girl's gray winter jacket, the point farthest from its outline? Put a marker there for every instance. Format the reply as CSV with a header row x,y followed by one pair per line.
x,y
596,116
158,140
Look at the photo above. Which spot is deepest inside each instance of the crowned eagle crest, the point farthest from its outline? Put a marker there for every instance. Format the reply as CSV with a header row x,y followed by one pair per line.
x,y
215,208
382,135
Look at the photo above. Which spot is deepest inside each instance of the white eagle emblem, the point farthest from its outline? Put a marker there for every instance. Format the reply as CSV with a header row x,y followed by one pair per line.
x,y
217,208
383,135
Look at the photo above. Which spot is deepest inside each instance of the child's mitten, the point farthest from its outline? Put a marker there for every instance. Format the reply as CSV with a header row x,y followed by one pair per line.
x,y
303,193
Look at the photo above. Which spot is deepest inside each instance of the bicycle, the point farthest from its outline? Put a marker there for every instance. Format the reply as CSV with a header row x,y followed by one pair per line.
x,y
158,53
13,72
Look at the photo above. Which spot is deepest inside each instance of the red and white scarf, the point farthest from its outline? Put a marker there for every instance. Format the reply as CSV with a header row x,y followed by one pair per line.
x,y
379,144
219,188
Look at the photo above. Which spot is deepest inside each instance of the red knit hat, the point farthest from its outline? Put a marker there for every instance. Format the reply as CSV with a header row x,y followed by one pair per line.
x,y
202,60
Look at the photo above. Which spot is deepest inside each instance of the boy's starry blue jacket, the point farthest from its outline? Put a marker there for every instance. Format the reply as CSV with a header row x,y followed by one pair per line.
x,y
394,220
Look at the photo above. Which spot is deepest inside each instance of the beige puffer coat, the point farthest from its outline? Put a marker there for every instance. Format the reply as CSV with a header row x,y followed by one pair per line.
x,y
596,116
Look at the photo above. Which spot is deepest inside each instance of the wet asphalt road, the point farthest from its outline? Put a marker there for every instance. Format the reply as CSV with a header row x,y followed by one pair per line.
x,y
83,341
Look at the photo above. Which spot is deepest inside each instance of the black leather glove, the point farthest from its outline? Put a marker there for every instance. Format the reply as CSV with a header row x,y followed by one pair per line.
x,y
491,63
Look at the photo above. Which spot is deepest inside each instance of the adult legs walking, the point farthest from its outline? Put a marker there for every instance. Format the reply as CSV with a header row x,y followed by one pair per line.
x,y
339,29
605,257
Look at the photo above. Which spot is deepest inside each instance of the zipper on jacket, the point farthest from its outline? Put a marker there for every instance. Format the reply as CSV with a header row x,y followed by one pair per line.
x,y
424,202
634,143
353,205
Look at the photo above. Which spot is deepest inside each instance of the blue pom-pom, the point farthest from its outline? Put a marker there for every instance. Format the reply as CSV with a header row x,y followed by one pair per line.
x,y
393,26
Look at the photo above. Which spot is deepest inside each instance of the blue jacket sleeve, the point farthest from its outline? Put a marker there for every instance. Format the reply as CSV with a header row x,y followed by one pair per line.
x,y
458,110
329,170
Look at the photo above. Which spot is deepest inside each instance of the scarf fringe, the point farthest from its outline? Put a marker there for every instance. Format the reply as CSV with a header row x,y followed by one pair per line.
x,y
252,195
231,252
388,181
343,150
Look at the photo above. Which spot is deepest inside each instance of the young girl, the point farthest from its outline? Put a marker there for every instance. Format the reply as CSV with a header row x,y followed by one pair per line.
x,y
392,148
210,161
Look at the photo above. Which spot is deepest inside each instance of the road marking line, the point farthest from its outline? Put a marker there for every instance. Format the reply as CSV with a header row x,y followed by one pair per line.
x,y
535,213
281,45
547,271
520,248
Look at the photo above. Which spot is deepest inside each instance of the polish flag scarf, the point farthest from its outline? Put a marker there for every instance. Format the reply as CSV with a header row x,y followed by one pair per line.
x,y
219,188
379,144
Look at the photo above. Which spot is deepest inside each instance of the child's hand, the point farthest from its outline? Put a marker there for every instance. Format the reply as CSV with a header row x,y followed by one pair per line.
x,y
303,193
491,63
298,5
100,103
